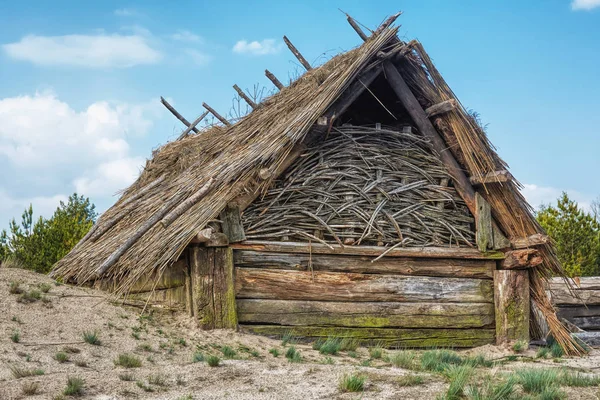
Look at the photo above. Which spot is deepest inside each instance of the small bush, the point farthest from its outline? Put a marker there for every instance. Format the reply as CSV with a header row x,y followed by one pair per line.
x,y
74,386
158,380
142,385
478,360
556,350
330,346
18,372
274,352
542,352
228,352
406,359
182,342
15,288
438,360
489,390
30,388
127,361
213,361
458,375
410,380
375,352
30,297
352,354
577,379
127,377
519,346
288,338
328,361
44,287
145,347
61,357
349,344
197,357
352,383
552,393
15,337
535,380
91,338
293,355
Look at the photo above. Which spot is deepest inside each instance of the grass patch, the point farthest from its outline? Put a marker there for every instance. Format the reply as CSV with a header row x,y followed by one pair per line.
x,y
288,338
330,346
439,360
197,357
577,379
293,355
489,390
542,352
15,288
556,350
158,380
519,346
274,352
228,352
142,385
19,373
536,380
353,354
182,342
349,344
127,361
406,359
15,337
552,393
61,357
352,383
30,388
44,287
127,377
213,361
74,386
81,363
376,353
30,297
91,337
410,380
459,376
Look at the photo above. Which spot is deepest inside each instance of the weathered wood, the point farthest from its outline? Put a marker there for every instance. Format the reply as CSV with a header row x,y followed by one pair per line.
x,y
524,258
252,283
186,204
370,251
171,277
441,108
592,339
274,79
172,299
176,114
484,235
492,177
232,223
192,125
356,28
244,96
213,296
361,264
368,315
216,114
500,241
386,24
530,241
416,112
297,54
578,283
203,236
217,239
387,337
562,296
139,193
511,303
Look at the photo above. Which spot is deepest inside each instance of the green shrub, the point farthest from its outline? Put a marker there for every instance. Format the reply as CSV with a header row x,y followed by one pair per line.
x,y
293,355
274,352
19,372
375,352
197,357
61,357
91,338
349,344
488,390
406,359
330,346
74,386
352,383
535,380
459,376
158,380
213,361
228,352
288,338
410,380
30,297
552,393
577,379
542,352
127,361
519,346
556,350
15,288
127,377
438,360
352,354
15,336
45,287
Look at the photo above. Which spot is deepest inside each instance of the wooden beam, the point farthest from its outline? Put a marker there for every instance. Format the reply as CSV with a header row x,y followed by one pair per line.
x,y
530,241
176,114
500,241
492,177
232,223
186,204
519,259
511,303
192,125
441,108
369,251
356,28
386,24
274,79
483,226
296,53
203,236
216,114
414,109
255,283
244,96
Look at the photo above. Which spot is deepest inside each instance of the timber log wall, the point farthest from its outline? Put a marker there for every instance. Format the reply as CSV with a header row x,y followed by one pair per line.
x,y
395,301
580,307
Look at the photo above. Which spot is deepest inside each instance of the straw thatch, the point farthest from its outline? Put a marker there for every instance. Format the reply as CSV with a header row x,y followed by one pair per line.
x,y
224,162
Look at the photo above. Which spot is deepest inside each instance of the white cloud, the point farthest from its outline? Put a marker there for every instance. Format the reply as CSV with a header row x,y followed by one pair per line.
x,y
127,12
198,57
51,149
584,4
186,36
538,195
265,46
90,51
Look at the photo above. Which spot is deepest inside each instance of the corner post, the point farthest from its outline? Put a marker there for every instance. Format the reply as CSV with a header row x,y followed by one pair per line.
x,y
511,305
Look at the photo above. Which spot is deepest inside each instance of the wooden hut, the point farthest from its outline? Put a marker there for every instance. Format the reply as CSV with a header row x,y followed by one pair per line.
x,y
362,200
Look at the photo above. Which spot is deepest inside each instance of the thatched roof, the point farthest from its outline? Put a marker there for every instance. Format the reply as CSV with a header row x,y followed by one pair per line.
x,y
223,161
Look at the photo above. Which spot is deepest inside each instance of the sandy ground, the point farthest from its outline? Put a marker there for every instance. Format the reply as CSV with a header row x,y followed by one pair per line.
x,y
165,344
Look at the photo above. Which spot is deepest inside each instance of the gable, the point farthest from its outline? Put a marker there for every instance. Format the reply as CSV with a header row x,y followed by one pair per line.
x,y
364,186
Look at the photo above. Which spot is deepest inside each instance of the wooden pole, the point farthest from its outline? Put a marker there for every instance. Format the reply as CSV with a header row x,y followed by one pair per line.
x,y
296,53
192,126
243,95
186,205
273,79
356,28
216,114
176,114
511,303
484,235
414,109
387,23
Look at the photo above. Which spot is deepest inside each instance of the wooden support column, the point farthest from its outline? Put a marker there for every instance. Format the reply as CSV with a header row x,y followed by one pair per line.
x,y
213,294
232,223
483,235
511,303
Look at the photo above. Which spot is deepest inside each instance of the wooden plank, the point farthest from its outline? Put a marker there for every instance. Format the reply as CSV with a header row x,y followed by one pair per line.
x,y
530,241
578,311
520,259
370,251
562,295
586,282
484,234
387,337
176,114
224,291
500,241
361,264
252,283
232,223
297,54
368,315
492,177
511,303
416,112
441,108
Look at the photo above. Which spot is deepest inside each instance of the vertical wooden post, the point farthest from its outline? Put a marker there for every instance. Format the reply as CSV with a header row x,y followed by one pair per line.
x,y
511,304
232,223
213,293
483,234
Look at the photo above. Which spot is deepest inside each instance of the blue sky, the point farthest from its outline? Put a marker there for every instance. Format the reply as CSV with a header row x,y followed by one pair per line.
x,y
80,82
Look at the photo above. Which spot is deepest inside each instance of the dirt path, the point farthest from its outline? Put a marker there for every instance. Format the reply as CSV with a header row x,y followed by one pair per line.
x,y
165,345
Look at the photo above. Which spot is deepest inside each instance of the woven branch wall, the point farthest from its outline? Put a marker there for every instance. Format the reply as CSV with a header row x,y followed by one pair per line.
x,y
364,186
